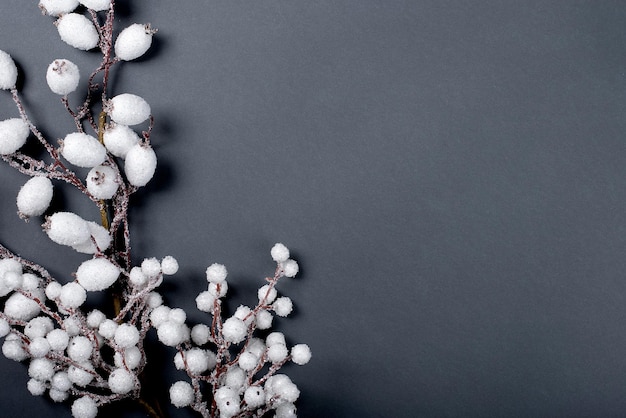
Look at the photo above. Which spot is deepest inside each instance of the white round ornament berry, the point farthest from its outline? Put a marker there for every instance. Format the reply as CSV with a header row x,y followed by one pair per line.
x,y
128,109
216,273
133,41
34,197
80,348
181,394
102,182
96,5
21,307
234,330
140,165
119,139
62,76
57,7
97,274
67,228
169,265
121,381
77,31
13,135
8,71
279,252
83,150
84,407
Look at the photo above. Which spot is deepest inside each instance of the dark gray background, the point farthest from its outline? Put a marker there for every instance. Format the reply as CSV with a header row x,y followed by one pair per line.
x,y
450,175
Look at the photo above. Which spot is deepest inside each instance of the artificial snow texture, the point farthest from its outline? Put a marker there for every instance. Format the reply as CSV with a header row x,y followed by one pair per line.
x,y
77,31
34,197
121,381
99,234
13,135
181,394
8,71
73,295
62,76
84,407
133,41
83,150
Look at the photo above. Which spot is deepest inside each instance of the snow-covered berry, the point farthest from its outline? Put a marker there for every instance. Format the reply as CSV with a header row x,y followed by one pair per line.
x,y
13,349
107,328
264,319
282,306
58,339
96,5
279,252
216,273
140,164
126,335
8,71
97,274
205,301
80,348
21,307
36,387
77,31
84,407
34,197
277,353
169,265
200,334
39,347
80,374
121,381
102,182
57,7
172,333
128,109
73,295
41,369
248,361
95,318
62,76
119,139
67,228
151,267
181,394
13,135
133,41
234,330
61,382
300,354
275,338
267,293
286,410
227,401
83,150
254,396
38,327
53,290
290,268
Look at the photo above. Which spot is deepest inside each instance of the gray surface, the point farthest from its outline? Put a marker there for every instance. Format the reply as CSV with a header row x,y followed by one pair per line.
x,y
450,175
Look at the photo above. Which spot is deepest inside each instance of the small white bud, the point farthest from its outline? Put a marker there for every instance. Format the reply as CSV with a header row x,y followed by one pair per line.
x,y
79,374
140,165
290,268
300,354
150,267
58,339
77,31
8,71
79,348
126,335
128,109
13,135
234,330
133,41
216,273
62,76
34,197
282,306
254,396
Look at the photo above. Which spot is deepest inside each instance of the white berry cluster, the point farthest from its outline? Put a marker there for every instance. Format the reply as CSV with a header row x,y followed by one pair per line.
x,y
233,369
85,356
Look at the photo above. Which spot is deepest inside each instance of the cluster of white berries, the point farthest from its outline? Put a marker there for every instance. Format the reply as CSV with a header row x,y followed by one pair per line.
x,y
83,355
228,355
